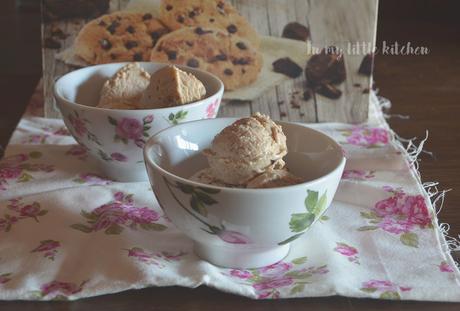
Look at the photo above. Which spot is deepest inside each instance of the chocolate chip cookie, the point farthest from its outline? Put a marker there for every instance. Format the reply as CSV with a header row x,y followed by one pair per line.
x,y
233,59
117,37
207,13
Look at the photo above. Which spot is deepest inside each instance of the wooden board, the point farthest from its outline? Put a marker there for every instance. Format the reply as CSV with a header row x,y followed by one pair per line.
x,y
331,22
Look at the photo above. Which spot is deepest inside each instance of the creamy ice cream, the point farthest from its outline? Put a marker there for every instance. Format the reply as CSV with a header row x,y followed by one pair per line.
x,y
170,87
133,88
124,90
274,178
247,148
248,154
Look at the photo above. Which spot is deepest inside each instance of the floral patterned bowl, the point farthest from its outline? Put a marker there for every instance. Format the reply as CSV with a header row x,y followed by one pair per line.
x,y
116,137
241,228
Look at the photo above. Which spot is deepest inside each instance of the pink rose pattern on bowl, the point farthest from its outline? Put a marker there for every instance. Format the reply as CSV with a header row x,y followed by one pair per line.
x,y
131,129
118,214
400,214
79,128
287,277
211,110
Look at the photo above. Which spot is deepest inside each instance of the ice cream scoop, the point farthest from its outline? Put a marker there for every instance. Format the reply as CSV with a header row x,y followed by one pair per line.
x,y
274,178
124,90
245,149
170,87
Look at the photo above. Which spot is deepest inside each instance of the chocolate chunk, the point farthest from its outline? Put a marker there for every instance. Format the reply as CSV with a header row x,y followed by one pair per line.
x,y
287,67
326,67
243,71
357,84
180,19
137,57
113,56
307,94
367,65
241,45
172,55
366,91
155,35
329,91
228,72
232,28
105,44
241,61
212,20
102,23
130,29
221,5
51,43
113,26
169,7
147,16
219,57
131,44
200,31
189,43
191,14
283,114
193,62
296,31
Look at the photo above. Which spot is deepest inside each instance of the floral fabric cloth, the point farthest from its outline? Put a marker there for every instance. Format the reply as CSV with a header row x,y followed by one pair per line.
x,y
67,232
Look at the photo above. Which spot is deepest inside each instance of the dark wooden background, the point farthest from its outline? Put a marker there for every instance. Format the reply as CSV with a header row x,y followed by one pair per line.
x,y
426,88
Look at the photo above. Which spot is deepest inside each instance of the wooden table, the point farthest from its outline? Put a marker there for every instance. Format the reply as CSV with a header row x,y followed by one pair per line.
x,y
426,88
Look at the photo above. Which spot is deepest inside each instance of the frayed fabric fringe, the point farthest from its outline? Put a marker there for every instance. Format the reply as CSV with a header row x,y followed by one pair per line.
x,y
436,196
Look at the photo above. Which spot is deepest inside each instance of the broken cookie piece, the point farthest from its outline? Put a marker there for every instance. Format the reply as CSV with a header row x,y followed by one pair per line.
x,y
170,87
124,90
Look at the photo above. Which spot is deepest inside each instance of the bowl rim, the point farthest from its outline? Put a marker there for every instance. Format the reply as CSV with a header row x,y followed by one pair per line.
x,y
60,98
149,162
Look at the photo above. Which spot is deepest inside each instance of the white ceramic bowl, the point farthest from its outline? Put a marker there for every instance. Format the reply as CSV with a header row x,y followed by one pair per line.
x,y
116,137
242,228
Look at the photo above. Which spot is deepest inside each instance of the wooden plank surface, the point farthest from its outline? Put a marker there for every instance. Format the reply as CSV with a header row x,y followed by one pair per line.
x,y
330,21
344,24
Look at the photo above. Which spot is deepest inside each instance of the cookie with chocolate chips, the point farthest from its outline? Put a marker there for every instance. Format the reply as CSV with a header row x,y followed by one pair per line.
x,y
209,14
117,37
233,59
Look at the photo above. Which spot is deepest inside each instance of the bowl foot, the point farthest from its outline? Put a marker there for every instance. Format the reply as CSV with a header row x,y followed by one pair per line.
x,y
241,258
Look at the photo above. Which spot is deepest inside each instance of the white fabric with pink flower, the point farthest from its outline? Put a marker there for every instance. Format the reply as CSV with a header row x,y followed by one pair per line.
x,y
68,232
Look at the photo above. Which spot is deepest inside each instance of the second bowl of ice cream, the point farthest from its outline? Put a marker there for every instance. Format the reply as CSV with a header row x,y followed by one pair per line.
x,y
243,190
113,109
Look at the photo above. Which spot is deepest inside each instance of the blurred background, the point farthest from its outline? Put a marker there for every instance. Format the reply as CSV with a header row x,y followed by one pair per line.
x,y
427,88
